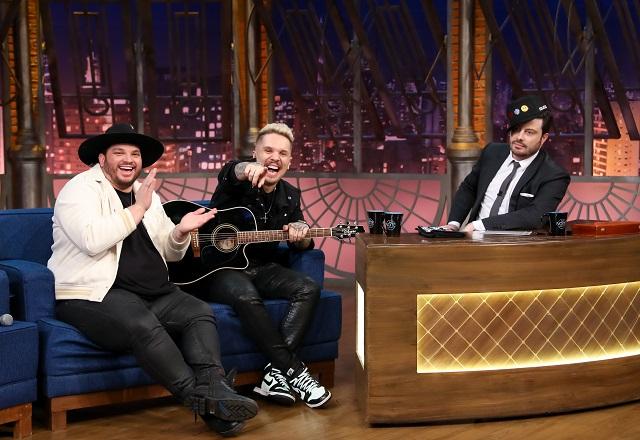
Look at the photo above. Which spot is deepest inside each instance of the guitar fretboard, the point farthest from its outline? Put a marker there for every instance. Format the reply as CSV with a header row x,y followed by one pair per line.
x,y
276,235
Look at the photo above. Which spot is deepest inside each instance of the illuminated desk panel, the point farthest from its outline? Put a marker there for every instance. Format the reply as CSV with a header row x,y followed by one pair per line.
x,y
495,327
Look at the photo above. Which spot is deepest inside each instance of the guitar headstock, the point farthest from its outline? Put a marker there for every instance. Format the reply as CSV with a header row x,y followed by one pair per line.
x,y
347,230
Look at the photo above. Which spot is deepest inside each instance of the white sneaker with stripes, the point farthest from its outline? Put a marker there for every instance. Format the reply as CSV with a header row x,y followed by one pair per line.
x,y
274,386
308,388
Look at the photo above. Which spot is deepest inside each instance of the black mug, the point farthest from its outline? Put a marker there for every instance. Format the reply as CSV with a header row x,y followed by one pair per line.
x,y
392,223
557,222
375,218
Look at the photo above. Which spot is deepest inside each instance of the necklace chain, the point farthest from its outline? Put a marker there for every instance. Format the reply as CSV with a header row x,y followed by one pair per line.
x,y
273,197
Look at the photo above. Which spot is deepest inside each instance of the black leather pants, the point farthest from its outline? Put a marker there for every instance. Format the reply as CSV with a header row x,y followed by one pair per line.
x,y
245,290
173,336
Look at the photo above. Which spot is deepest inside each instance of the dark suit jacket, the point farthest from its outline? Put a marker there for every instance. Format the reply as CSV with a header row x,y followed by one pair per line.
x,y
543,179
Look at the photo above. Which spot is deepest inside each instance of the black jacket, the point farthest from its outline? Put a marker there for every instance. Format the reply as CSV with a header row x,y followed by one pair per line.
x,y
543,179
285,208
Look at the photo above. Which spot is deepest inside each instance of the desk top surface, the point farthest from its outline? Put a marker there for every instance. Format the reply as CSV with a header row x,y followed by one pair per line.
x,y
480,239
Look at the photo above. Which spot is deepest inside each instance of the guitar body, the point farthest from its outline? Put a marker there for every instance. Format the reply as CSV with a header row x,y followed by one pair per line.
x,y
221,242
218,246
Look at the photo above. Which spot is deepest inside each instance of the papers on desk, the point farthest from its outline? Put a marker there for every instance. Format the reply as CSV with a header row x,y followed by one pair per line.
x,y
504,232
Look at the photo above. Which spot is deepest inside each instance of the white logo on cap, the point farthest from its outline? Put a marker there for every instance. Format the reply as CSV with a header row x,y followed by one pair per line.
x,y
516,112
542,107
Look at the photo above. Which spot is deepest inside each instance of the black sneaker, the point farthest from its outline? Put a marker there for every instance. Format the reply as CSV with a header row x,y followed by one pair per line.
x,y
307,387
221,400
223,427
275,387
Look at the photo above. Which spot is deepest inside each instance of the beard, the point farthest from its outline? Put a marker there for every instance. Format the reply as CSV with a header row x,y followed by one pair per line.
x,y
526,150
121,183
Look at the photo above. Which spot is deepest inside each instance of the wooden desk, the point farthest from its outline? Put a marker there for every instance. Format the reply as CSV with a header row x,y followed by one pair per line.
x,y
496,326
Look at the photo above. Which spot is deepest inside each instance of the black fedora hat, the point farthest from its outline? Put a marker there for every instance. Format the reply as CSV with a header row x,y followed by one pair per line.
x,y
525,109
151,149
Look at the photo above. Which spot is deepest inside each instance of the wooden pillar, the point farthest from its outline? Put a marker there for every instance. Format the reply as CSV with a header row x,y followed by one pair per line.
x,y
26,154
470,107
240,13
251,76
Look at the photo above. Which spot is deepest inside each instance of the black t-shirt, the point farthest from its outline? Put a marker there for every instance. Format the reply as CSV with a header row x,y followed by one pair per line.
x,y
141,268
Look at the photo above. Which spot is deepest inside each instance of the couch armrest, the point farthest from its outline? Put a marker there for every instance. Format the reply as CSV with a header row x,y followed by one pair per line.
x,y
4,293
33,286
309,262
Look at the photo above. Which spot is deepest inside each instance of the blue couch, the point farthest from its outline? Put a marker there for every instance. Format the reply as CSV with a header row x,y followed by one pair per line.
x,y
75,373
18,368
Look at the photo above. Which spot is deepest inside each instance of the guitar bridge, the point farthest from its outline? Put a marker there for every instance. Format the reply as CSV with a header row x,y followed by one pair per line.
x,y
195,243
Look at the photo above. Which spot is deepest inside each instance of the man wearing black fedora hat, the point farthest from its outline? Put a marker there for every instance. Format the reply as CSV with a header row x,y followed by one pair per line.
x,y
111,242
512,185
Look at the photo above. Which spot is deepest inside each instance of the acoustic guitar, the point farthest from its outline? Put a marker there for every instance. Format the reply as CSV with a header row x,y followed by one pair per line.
x,y
221,243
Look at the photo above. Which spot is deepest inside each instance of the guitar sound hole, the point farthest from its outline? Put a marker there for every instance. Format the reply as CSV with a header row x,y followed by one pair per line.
x,y
226,245
225,238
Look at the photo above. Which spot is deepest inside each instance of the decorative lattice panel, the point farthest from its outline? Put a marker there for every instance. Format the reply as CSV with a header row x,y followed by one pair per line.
x,y
501,330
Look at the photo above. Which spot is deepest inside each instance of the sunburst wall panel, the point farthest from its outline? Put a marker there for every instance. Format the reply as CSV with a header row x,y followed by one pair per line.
x,y
613,200
423,200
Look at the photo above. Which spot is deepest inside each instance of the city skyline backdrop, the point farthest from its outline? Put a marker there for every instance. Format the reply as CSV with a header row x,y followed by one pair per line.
x,y
193,119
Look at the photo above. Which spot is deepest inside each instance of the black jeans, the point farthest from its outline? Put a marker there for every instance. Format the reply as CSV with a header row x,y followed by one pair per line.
x,y
173,336
245,290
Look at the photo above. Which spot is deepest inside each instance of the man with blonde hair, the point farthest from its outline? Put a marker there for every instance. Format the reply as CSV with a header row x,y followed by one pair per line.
x,y
275,204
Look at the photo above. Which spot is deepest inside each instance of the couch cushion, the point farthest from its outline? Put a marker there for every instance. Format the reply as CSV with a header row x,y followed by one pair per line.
x,y
89,382
18,351
65,350
17,393
71,364
19,363
26,234
4,293
32,287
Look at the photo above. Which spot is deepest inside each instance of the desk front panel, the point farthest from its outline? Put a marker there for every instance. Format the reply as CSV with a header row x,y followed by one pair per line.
x,y
498,327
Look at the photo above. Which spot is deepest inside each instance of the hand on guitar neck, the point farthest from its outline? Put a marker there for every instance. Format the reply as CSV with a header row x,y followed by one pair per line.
x,y
298,234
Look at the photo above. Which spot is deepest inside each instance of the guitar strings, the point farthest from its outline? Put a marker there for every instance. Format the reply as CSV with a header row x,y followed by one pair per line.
x,y
274,231
319,232
233,236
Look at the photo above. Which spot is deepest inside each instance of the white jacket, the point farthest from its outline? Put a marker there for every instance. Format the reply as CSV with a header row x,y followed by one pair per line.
x,y
89,225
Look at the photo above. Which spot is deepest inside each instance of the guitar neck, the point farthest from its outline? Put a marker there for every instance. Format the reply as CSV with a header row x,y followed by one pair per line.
x,y
245,237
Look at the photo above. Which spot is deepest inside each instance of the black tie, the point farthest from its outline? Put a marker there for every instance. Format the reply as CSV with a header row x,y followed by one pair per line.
x,y
503,190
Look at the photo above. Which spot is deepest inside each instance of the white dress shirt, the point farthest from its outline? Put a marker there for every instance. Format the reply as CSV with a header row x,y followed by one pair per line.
x,y
492,190
494,187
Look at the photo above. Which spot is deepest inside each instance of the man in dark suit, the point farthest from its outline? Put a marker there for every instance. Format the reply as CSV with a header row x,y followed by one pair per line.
x,y
512,185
